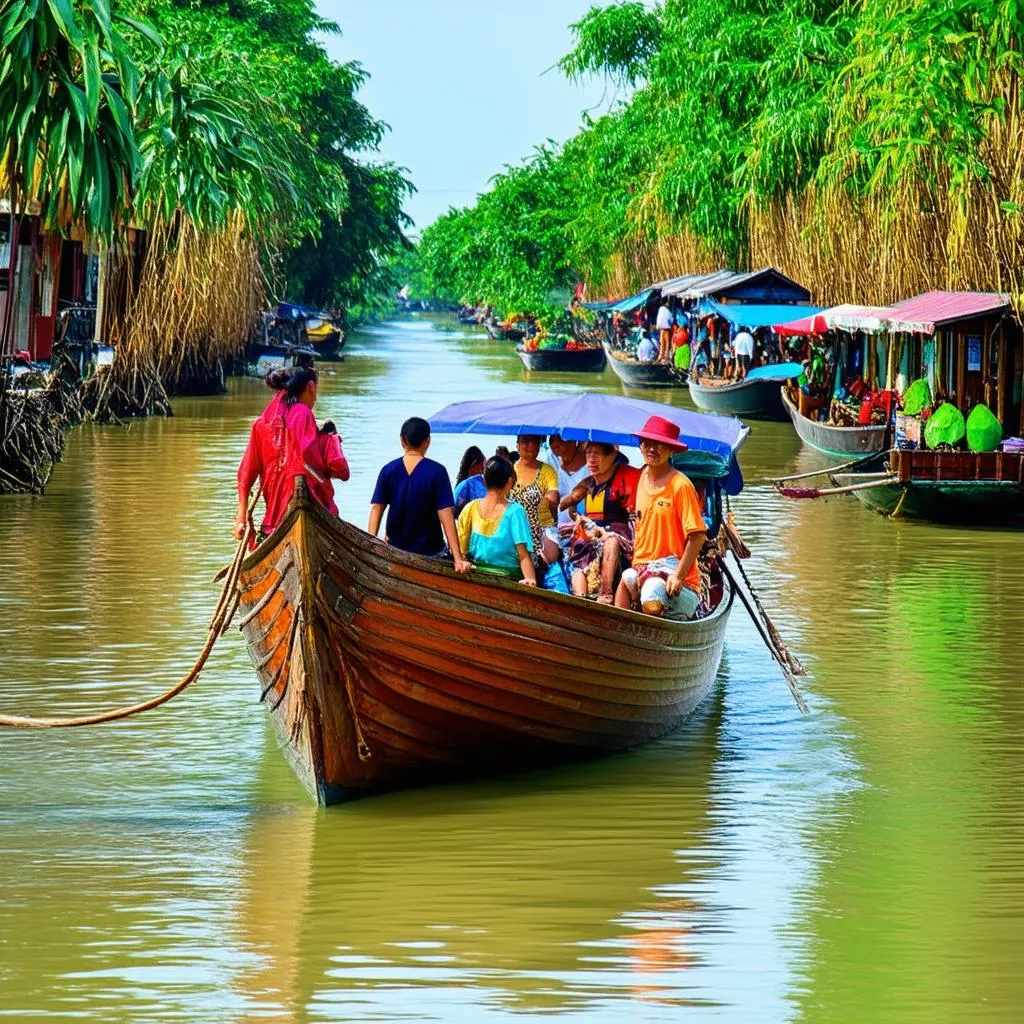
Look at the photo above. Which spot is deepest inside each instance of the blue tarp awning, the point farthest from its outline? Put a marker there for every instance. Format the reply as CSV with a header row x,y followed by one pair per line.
x,y
626,305
594,417
633,302
776,371
740,314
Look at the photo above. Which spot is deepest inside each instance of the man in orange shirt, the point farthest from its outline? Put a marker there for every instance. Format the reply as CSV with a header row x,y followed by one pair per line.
x,y
670,531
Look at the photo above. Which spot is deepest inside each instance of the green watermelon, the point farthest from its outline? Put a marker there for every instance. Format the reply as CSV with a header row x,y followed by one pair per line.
x,y
984,431
945,426
916,397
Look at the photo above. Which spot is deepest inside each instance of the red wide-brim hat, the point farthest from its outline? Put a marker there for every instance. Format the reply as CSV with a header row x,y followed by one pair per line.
x,y
657,428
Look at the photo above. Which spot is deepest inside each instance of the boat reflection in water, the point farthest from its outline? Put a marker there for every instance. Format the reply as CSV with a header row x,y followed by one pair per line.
x,y
489,894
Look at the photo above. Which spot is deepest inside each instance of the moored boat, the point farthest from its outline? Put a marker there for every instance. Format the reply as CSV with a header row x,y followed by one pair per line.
x,y
497,332
965,488
562,360
383,669
756,397
635,374
841,442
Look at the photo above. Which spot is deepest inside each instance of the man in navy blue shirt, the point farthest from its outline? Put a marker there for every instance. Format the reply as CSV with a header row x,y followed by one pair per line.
x,y
418,495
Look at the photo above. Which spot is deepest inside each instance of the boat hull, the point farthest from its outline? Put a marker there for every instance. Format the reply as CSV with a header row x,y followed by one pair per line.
x,y
952,502
752,400
552,360
841,442
384,670
644,375
499,333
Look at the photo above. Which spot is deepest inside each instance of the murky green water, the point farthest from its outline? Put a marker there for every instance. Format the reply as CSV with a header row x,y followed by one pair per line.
x,y
864,863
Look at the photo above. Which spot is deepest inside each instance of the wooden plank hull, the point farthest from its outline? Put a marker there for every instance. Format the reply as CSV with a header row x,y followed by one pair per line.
x,y
752,400
842,442
644,375
384,670
552,360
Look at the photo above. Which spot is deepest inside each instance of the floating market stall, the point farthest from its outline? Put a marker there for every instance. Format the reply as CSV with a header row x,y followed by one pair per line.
x,y
839,407
956,457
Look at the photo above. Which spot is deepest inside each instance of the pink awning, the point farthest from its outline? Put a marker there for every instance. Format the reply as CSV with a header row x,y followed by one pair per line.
x,y
923,314
846,317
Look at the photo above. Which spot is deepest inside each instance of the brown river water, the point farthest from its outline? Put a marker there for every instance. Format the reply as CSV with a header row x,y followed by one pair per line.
x,y
863,862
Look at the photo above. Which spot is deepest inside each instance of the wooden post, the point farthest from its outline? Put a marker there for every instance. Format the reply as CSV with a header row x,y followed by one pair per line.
x,y
1001,377
961,371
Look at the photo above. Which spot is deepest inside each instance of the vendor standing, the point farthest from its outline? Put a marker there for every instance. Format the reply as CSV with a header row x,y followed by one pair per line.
x,y
670,531
663,322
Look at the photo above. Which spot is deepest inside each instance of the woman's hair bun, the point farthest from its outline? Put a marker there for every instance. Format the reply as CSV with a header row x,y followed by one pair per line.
x,y
277,380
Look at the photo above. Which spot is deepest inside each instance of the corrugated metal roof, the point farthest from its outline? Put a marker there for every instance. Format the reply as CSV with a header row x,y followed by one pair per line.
x,y
923,314
696,286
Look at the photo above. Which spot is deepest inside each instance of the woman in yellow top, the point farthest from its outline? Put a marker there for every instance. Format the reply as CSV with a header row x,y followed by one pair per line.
x,y
536,489
670,531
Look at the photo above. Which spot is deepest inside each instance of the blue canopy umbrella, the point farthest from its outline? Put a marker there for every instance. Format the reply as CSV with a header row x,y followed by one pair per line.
x,y
595,417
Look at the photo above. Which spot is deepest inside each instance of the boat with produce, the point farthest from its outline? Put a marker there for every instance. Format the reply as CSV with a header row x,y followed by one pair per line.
x,y
838,441
383,669
573,358
756,397
635,374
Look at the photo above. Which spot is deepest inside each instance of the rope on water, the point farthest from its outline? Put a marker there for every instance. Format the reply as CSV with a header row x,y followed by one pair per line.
x,y
219,622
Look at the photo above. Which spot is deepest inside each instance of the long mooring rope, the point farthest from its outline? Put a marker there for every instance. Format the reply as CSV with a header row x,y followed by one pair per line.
x,y
222,616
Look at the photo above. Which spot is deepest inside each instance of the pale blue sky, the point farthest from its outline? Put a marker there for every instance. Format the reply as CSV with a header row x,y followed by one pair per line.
x,y
461,84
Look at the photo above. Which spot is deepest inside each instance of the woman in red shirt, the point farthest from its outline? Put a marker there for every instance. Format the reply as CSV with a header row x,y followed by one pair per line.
x,y
284,443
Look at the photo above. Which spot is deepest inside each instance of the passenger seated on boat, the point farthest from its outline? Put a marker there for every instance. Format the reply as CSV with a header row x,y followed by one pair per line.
x,y
647,350
495,532
469,484
284,443
536,489
418,495
670,531
602,544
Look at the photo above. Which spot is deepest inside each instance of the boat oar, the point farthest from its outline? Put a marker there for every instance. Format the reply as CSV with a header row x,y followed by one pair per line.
x,y
825,492
787,673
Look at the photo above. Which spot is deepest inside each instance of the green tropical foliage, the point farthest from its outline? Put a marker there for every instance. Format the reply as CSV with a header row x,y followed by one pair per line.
x,y
869,148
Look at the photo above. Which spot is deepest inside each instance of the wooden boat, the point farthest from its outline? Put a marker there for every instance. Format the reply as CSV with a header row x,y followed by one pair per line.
x,y
842,442
499,333
643,375
968,488
753,399
562,360
383,669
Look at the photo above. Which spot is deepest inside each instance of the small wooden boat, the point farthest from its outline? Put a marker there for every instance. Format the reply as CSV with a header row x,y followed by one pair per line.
x,y
499,333
562,360
384,670
746,399
643,375
841,442
968,488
